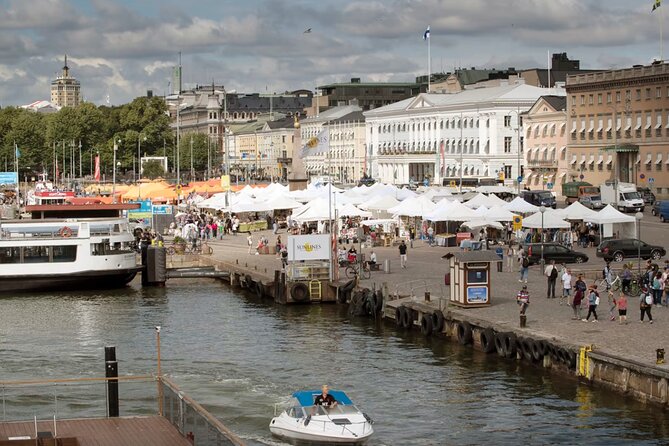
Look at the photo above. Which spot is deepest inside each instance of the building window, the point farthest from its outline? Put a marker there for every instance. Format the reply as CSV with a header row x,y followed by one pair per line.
x,y
628,95
658,92
648,93
638,94
599,98
507,144
608,97
582,99
591,99
507,121
573,100
658,166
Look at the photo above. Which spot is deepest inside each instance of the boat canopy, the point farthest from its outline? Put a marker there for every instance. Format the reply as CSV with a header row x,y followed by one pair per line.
x,y
307,397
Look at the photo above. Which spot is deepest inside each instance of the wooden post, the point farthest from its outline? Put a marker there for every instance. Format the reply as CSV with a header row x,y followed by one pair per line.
x,y
523,321
159,373
111,371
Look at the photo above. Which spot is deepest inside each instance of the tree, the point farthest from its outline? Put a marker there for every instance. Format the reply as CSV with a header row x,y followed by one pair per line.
x,y
152,169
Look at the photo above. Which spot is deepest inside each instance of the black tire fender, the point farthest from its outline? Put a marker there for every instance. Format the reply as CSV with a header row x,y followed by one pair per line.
x,y
399,316
379,301
259,289
426,324
536,350
510,348
525,348
437,321
299,291
407,318
572,360
370,305
348,286
464,333
499,344
564,355
488,340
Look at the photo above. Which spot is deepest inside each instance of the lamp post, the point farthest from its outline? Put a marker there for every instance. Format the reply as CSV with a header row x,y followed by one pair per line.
x,y
114,171
638,216
139,157
542,209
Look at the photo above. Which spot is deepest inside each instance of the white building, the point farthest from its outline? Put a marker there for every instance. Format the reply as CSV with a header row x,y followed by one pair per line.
x,y
473,134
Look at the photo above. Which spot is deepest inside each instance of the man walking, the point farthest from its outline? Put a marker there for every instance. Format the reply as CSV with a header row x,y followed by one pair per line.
x,y
524,268
551,273
566,286
403,254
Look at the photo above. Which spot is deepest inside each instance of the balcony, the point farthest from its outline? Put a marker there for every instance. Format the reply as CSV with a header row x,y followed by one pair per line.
x,y
542,163
284,160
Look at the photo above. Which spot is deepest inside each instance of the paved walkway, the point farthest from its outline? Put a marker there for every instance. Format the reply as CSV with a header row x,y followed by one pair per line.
x,y
546,317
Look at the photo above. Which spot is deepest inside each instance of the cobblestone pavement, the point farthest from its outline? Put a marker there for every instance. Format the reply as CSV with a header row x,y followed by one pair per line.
x,y
546,317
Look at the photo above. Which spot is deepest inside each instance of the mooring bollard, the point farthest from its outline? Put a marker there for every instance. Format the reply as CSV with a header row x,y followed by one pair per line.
x,y
523,321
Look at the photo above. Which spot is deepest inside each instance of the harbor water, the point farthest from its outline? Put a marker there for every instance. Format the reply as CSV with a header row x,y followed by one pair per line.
x,y
239,356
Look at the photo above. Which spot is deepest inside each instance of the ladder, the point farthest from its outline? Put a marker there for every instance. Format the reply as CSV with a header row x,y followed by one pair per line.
x,y
315,290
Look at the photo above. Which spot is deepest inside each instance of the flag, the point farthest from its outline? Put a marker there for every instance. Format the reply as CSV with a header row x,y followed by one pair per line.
x,y
17,152
426,34
317,145
656,4
97,168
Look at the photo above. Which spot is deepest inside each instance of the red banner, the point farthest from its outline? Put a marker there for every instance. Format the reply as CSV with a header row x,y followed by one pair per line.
x,y
97,168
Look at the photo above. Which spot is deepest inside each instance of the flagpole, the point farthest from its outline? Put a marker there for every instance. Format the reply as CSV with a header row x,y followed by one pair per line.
x,y
429,69
661,39
16,165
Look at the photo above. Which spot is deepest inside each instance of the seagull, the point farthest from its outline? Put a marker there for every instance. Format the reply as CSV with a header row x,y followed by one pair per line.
x,y
307,31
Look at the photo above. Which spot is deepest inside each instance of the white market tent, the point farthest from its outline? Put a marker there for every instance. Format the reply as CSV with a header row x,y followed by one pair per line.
x,y
315,210
482,223
609,216
216,201
498,213
379,221
413,207
551,220
495,189
452,211
494,200
481,211
521,206
379,203
349,210
576,211
477,201
282,202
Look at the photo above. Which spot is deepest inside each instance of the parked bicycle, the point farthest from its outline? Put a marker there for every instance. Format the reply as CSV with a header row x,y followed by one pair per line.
x,y
199,248
358,269
633,290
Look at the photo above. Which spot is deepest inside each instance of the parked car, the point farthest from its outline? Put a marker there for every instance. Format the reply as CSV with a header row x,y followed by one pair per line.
x,y
621,249
553,251
591,201
539,198
662,210
647,195
655,210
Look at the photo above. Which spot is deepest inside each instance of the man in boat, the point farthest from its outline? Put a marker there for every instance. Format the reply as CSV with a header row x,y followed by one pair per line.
x,y
325,399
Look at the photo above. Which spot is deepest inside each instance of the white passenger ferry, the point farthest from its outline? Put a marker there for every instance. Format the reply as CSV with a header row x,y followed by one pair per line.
x,y
66,253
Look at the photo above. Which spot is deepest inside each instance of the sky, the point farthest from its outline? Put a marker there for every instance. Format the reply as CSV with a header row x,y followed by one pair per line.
x,y
122,48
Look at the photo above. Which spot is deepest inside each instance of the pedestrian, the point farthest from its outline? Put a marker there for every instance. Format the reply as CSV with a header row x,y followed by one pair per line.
x,y
412,235
277,246
566,286
275,226
524,268
576,303
665,281
430,235
509,257
519,254
622,308
607,275
249,241
646,303
626,278
658,288
523,299
613,304
593,302
551,273
284,257
403,254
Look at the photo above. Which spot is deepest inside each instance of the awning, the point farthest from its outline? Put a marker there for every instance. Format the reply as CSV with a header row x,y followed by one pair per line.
x,y
600,160
609,159
529,177
628,126
659,123
563,149
649,158
552,127
609,126
582,159
638,125
562,126
600,127
592,159
591,128
573,159
659,159
574,129
622,148
648,125
638,159
550,178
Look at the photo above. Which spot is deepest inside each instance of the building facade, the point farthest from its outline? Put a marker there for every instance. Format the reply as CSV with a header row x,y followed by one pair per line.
x,y
473,135
545,156
619,126
65,89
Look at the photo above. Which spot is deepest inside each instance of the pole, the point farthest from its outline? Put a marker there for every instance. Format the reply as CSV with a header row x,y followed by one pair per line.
x,y
159,373
80,171
178,163
139,156
461,155
114,174
429,69
192,173
519,175
225,143
548,58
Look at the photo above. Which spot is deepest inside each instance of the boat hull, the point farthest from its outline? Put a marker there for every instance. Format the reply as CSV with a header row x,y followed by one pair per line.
x,y
79,280
306,438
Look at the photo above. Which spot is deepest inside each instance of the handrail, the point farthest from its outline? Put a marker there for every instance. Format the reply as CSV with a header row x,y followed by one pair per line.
x,y
70,380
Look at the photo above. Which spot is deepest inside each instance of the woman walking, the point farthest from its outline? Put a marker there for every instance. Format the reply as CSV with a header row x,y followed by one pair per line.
x,y
593,301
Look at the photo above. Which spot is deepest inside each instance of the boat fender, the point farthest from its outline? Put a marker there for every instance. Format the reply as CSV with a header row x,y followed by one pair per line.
x,y
379,301
464,333
437,321
299,292
564,355
499,344
248,282
525,345
407,318
348,287
536,350
399,316
572,360
510,348
488,340
65,232
342,296
259,289
370,305
426,324
543,347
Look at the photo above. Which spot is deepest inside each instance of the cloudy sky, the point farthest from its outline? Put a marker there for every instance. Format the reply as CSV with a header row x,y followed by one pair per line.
x,y
121,48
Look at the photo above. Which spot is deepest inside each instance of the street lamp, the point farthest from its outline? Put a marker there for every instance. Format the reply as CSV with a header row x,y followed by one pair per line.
x,y
542,209
139,156
114,171
638,216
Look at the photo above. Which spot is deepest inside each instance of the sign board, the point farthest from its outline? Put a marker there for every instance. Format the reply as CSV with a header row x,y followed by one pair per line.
x,y
520,179
452,183
144,210
651,180
642,176
517,223
225,182
549,185
9,178
582,176
477,294
178,189
309,247
162,209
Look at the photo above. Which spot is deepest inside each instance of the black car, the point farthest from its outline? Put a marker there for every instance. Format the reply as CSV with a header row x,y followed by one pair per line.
x,y
620,249
539,198
647,195
553,251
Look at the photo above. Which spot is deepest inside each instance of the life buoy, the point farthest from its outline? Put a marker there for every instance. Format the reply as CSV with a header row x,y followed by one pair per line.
x,y
426,324
464,333
510,347
299,292
437,321
499,345
488,340
65,232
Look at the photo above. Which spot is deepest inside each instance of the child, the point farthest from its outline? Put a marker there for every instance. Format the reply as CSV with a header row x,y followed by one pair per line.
x,y
622,308
523,299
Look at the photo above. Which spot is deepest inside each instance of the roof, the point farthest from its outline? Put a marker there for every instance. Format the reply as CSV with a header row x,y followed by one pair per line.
x,y
473,256
371,84
129,431
307,397
351,117
332,113
557,102
281,123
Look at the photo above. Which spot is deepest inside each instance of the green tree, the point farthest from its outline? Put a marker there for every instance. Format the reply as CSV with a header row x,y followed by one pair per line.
x,y
153,169
27,132
199,153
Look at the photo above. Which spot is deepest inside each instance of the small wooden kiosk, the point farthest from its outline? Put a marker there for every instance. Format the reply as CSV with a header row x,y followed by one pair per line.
x,y
470,277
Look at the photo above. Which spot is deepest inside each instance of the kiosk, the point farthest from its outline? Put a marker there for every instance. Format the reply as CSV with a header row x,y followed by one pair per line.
x,y
470,277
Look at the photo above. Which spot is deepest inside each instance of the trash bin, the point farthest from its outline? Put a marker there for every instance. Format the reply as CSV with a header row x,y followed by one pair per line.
x,y
500,253
386,266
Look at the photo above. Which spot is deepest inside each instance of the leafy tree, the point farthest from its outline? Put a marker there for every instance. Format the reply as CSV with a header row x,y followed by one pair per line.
x,y
152,169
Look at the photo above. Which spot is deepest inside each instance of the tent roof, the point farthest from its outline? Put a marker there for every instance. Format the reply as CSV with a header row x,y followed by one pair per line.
x,y
413,207
576,211
452,211
551,220
610,215
520,205
380,203
498,213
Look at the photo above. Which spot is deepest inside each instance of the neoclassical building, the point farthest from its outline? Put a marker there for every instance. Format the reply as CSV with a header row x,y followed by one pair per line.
x,y
474,134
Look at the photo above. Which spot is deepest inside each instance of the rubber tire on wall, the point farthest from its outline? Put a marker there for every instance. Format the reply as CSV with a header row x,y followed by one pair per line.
x,y
488,340
299,292
370,305
379,301
499,344
407,318
437,321
259,289
248,281
399,316
426,325
537,350
510,345
572,360
464,333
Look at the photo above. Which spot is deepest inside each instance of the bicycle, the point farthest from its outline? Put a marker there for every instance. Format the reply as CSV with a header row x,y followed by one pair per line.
x,y
633,290
359,269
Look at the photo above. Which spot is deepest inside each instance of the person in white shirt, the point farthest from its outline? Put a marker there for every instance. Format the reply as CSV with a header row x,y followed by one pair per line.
x,y
372,258
551,273
566,286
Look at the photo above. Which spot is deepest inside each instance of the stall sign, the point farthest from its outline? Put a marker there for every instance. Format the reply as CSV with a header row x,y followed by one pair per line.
x,y
309,247
477,294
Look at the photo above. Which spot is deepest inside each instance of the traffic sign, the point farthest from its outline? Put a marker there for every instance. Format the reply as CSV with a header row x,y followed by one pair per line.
x,y
642,176
520,179
517,223
582,176
452,183
651,180
549,185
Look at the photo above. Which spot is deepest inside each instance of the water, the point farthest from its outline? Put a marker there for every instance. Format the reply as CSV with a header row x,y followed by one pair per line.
x,y
238,356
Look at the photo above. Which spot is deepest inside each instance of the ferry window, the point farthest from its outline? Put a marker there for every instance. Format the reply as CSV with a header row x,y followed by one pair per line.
x,y
36,254
10,255
64,253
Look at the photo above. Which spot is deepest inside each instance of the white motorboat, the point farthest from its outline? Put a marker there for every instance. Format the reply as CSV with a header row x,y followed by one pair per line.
x,y
302,421
65,254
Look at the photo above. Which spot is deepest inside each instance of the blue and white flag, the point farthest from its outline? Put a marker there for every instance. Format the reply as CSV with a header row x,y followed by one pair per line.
x,y
317,145
426,34
17,152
